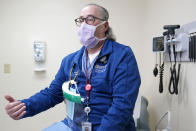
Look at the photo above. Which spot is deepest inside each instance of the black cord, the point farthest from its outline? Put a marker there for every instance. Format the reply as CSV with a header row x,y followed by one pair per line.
x,y
171,71
178,75
172,81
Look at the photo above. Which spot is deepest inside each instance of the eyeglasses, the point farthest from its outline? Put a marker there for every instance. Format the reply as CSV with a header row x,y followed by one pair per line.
x,y
90,19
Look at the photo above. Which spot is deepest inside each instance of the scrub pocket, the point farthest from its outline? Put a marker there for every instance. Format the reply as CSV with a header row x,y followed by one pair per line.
x,y
58,126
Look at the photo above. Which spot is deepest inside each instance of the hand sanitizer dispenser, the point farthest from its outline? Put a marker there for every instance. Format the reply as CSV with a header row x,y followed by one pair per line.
x,y
39,51
39,48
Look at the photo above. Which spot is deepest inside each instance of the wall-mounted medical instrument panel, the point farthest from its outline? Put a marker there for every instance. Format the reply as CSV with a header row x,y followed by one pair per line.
x,y
176,45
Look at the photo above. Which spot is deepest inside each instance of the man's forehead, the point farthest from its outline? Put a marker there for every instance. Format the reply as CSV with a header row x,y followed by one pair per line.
x,y
90,10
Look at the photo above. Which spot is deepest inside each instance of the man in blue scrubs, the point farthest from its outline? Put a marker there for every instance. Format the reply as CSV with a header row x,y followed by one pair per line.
x,y
107,79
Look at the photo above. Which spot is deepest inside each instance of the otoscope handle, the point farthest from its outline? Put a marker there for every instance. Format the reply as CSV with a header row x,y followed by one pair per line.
x,y
177,79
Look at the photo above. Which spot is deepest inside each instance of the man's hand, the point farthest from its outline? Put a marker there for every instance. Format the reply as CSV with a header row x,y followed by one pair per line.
x,y
15,109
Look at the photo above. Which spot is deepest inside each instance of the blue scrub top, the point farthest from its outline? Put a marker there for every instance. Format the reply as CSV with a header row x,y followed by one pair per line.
x,y
115,84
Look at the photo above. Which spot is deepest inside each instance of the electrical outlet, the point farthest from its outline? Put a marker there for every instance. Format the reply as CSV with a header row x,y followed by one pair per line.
x,y
7,68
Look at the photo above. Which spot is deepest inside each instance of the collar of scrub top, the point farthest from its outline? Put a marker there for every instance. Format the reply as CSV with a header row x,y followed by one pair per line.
x,y
89,66
107,49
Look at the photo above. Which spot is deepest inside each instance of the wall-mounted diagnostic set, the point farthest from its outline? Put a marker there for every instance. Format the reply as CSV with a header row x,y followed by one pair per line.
x,y
176,45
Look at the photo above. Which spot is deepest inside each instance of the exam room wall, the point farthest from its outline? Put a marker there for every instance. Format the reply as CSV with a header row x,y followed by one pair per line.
x,y
24,21
156,14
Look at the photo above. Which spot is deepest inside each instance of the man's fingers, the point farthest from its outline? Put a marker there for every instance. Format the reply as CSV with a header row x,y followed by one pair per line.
x,y
18,112
15,108
13,104
9,98
19,116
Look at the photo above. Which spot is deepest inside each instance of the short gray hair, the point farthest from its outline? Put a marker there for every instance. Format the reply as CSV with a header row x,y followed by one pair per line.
x,y
105,16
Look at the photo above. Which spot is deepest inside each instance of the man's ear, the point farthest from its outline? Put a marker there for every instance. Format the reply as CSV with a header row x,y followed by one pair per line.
x,y
106,26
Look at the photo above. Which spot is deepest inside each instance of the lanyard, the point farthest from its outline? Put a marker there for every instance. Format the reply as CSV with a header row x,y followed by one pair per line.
x,y
88,86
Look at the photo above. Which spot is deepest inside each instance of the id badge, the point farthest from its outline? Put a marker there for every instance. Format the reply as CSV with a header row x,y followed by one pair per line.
x,y
86,126
70,110
71,106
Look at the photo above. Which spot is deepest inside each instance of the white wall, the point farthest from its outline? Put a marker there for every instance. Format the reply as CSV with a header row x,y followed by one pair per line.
x,y
134,22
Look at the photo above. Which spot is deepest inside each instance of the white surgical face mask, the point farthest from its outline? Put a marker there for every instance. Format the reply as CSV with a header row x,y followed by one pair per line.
x,y
87,36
